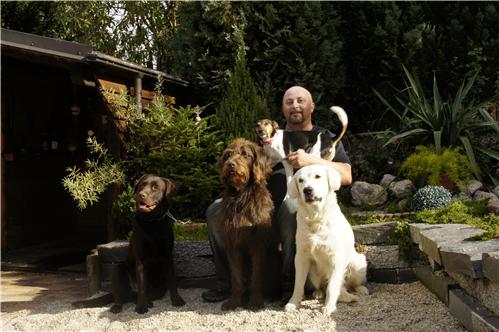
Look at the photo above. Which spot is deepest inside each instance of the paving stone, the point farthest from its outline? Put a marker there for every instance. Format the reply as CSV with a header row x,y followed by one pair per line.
x,y
490,266
416,229
374,233
466,256
471,315
437,284
432,238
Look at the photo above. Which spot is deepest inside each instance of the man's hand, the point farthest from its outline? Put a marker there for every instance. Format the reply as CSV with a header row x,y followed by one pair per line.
x,y
300,158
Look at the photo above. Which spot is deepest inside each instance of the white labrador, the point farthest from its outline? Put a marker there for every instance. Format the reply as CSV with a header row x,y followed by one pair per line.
x,y
325,249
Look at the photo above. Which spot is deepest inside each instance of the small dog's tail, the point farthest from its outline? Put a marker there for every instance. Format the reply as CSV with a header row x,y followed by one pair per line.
x,y
342,115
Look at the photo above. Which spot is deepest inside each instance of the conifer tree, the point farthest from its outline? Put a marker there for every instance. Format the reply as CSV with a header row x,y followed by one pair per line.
x,y
241,105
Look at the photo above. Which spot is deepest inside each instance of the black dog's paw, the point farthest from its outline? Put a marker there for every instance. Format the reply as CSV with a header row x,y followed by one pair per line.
x,y
255,305
230,305
177,301
116,308
141,309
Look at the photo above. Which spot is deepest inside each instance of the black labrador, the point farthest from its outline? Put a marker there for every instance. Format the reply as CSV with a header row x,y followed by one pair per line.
x,y
150,256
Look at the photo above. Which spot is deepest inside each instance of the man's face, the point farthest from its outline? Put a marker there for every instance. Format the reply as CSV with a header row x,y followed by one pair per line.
x,y
297,106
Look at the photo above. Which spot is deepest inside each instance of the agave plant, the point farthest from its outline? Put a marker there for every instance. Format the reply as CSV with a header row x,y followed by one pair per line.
x,y
441,123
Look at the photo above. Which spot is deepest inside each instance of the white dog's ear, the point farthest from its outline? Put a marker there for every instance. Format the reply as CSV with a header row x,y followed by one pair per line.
x,y
293,190
333,178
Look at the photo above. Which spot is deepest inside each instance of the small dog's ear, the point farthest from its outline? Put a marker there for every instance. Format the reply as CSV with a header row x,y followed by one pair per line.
x,y
293,190
170,187
333,179
136,183
275,125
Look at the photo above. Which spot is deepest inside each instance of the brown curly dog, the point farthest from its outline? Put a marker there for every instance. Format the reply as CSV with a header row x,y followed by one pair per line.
x,y
250,238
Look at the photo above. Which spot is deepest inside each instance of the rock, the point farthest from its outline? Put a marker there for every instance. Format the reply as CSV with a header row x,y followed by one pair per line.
x,y
496,191
493,206
462,196
401,189
490,266
364,193
403,204
386,180
481,195
472,186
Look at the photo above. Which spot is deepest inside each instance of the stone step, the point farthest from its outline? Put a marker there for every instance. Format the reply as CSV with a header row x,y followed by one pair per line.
x,y
374,233
448,245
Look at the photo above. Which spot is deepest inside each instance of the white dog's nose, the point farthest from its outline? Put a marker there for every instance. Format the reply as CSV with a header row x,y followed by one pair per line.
x,y
308,191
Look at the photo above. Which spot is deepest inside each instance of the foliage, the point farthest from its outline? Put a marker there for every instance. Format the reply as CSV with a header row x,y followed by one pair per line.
x,y
442,123
123,212
176,143
170,142
461,212
427,165
86,186
241,106
402,238
430,197
190,232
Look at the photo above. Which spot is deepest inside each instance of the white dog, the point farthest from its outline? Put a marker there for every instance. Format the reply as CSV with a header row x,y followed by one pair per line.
x,y
324,241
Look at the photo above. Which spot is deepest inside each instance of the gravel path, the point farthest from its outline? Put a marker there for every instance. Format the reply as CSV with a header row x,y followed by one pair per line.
x,y
406,307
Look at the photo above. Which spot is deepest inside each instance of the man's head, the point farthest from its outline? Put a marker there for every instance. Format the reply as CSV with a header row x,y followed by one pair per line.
x,y
297,108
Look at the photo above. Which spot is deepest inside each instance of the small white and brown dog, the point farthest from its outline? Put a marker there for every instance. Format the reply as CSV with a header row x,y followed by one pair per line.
x,y
278,143
325,251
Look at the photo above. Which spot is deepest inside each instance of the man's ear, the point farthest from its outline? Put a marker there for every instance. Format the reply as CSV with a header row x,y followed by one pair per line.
x,y
293,190
333,179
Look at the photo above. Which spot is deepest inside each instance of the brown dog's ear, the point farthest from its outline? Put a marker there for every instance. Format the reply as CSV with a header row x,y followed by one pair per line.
x,y
170,188
261,166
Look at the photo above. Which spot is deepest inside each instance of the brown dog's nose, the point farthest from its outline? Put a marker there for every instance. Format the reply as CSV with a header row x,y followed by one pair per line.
x,y
232,165
142,195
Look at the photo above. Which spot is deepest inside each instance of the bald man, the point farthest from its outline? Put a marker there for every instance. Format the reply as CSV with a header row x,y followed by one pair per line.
x,y
297,108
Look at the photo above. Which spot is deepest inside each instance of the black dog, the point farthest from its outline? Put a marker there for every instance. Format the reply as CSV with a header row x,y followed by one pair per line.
x,y
150,256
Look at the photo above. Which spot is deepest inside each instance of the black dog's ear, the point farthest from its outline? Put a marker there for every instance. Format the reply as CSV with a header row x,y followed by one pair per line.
x,y
136,183
170,188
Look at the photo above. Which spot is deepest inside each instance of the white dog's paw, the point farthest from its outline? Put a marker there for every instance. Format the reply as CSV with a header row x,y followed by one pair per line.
x,y
291,307
361,290
347,297
329,309
318,294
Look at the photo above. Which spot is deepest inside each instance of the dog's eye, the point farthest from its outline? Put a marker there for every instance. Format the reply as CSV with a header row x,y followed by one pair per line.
x,y
317,176
300,180
228,154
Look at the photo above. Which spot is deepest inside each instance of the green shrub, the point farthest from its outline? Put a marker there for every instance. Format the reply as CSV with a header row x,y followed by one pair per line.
x,y
430,197
123,213
426,166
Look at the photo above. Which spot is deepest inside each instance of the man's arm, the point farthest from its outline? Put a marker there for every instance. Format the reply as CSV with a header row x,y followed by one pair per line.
x,y
300,158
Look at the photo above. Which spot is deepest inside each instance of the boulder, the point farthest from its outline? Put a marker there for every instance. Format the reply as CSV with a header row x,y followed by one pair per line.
x,y
364,193
472,186
481,195
401,189
386,180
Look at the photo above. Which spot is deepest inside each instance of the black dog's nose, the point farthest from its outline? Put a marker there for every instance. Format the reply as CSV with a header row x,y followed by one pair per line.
x,y
308,191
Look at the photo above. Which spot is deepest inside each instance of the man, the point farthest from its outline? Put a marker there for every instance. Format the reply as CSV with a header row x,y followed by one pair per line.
x,y
297,108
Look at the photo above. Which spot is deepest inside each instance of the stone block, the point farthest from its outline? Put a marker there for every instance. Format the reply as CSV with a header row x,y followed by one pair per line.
x,y
437,284
431,239
490,266
193,260
471,315
113,252
373,233
386,276
384,257
466,256
406,275
416,229
93,273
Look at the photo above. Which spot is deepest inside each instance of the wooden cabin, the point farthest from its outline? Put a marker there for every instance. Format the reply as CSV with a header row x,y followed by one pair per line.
x,y
50,101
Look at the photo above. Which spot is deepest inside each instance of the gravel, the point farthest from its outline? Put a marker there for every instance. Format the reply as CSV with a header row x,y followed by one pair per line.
x,y
404,307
